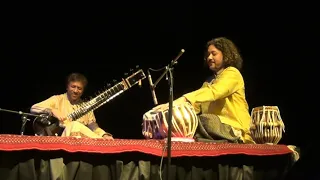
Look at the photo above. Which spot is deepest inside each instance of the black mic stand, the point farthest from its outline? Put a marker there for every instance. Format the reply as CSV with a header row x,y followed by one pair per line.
x,y
24,118
169,69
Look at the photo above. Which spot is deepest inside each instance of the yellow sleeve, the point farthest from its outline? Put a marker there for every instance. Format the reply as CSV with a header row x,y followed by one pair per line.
x,y
227,83
101,132
93,125
44,106
91,117
197,106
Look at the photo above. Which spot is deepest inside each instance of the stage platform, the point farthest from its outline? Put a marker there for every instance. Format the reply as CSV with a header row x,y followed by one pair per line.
x,y
43,157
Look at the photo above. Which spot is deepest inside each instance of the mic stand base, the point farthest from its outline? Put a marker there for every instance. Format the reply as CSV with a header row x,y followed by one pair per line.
x,y
169,121
169,68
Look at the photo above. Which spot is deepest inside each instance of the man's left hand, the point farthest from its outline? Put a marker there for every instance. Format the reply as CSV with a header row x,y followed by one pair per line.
x,y
106,136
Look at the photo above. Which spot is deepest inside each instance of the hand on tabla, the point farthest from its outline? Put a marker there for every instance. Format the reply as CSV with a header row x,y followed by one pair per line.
x,y
161,107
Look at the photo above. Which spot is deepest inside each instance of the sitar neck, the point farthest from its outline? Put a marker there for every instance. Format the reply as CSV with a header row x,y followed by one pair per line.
x,y
107,95
99,100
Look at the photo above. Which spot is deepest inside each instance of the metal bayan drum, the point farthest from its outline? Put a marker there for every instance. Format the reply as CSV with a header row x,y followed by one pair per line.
x,y
184,123
266,125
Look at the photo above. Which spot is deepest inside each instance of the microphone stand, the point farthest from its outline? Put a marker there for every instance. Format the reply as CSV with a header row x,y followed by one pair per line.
x,y
24,118
169,69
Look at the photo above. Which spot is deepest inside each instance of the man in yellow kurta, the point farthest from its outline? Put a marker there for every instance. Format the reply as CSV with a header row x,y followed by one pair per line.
x,y
60,106
221,103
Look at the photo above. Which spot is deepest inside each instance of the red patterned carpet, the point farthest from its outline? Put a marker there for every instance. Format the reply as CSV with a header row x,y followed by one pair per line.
x,y
153,147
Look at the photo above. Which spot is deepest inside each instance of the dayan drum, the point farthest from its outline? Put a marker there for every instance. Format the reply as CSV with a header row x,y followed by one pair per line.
x,y
184,123
266,125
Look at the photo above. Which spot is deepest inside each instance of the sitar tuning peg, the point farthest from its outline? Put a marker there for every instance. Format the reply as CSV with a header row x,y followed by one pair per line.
x,y
114,81
137,66
125,74
131,70
108,85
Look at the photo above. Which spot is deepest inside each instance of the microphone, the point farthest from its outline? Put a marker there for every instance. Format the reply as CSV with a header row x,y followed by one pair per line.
x,y
155,101
176,59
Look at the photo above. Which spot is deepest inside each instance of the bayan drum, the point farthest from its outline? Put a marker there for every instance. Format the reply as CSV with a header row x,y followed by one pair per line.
x,y
266,125
184,123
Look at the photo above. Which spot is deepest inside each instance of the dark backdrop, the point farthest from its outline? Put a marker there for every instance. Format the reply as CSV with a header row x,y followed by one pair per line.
x,y
42,44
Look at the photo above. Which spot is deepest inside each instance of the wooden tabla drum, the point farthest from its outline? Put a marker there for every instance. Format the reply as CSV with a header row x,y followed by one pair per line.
x,y
266,125
184,123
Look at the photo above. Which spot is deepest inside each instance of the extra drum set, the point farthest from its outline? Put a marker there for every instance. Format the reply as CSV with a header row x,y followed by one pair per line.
x,y
266,125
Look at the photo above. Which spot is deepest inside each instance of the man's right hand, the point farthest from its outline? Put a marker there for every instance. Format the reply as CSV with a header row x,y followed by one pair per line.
x,y
59,115
161,107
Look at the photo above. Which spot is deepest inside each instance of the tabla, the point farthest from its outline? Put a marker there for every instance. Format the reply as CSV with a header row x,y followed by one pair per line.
x,y
266,125
184,123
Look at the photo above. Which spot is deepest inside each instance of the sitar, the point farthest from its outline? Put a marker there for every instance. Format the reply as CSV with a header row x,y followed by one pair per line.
x,y
46,125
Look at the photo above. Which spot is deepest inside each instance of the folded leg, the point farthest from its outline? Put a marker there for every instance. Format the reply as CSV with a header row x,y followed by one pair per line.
x,y
77,129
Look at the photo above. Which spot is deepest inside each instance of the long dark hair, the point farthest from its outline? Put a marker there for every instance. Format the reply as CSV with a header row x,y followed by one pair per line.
x,y
231,55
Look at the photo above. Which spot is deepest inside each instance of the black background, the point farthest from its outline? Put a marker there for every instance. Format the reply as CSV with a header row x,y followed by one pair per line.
x,y
42,44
